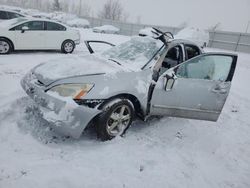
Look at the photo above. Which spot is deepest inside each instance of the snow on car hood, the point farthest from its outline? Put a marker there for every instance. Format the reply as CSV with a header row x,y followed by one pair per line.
x,y
74,66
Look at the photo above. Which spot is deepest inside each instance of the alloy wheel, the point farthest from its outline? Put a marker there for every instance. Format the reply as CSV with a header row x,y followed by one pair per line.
x,y
119,120
68,47
4,47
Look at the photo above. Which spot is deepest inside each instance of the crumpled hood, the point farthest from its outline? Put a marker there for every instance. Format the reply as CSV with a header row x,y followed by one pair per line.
x,y
74,66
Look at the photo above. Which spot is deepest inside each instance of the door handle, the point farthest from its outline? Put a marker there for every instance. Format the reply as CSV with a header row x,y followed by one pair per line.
x,y
221,88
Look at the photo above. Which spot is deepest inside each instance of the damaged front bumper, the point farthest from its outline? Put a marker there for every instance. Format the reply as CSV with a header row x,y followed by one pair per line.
x,y
67,118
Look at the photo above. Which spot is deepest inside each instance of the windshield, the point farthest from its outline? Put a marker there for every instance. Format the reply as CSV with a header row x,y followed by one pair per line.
x,y
134,53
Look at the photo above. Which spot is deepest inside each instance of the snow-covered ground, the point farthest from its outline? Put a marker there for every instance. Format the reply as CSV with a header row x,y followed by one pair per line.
x,y
165,152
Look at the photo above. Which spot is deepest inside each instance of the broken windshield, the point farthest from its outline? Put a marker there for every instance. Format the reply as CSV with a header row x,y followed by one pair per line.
x,y
136,52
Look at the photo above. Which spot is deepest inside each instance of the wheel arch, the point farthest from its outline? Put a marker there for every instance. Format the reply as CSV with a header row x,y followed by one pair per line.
x,y
10,41
133,99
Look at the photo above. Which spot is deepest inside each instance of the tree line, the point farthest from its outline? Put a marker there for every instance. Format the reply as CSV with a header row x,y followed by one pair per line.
x,y
112,9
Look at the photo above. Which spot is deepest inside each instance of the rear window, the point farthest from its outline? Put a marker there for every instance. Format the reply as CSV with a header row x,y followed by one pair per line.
x,y
13,15
51,26
3,15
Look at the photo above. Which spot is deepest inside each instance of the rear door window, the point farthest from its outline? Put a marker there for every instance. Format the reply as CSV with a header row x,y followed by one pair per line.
x,y
191,51
50,26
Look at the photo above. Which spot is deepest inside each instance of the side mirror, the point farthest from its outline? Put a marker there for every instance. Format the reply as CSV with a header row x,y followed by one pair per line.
x,y
170,80
24,28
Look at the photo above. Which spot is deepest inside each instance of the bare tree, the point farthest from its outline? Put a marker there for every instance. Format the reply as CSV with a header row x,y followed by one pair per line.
x,y
113,10
84,9
56,6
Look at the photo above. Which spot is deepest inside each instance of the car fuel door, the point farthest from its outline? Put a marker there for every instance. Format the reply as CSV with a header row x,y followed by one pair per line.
x,y
95,46
195,89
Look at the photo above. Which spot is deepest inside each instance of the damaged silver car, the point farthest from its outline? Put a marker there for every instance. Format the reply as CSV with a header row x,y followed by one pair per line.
x,y
142,77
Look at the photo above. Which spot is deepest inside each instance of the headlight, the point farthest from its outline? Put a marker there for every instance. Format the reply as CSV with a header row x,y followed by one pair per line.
x,y
76,91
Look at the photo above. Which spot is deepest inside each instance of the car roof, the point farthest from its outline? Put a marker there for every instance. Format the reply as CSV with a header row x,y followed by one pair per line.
x,y
184,41
14,22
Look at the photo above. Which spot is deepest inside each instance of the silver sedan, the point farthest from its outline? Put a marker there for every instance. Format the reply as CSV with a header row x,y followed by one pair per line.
x,y
139,78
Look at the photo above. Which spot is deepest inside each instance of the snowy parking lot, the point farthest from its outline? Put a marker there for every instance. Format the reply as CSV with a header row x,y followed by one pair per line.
x,y
163,152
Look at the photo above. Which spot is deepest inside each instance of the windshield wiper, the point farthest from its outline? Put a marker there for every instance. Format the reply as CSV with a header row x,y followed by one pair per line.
x,y
115,61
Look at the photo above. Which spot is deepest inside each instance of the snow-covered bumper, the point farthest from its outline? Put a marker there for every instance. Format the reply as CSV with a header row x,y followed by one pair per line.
x,y
67,118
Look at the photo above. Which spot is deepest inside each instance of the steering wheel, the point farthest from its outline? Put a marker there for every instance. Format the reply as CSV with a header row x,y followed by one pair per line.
x,y
160,33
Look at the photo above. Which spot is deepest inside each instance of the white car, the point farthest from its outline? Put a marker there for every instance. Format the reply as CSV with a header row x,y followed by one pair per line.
x,y
109,29
37,34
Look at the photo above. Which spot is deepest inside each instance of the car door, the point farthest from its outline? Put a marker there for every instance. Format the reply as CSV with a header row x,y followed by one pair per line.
x,y
95,46
54,35
195,89
32,38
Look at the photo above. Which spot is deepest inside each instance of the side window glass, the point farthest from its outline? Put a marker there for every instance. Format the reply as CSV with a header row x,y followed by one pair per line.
x,y
209,67
33,26
12,15
191,51
55,27
174,57
3,15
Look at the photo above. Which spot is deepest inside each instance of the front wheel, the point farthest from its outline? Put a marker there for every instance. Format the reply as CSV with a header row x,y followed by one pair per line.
x,y
68,46
5,46
116,118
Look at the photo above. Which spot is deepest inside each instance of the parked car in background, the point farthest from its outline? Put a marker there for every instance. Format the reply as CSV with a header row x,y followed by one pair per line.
x,y
78,23
8,14
199,36
109,29
130,80
37,34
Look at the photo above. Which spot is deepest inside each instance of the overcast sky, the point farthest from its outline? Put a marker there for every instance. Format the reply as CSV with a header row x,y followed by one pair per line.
x,y
233,14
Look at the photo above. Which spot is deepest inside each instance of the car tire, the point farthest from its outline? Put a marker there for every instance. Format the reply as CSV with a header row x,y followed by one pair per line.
x,y
116,118
68,46
5,46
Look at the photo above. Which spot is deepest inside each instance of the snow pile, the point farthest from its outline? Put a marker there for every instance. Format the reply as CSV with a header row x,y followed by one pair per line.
x,y
198,36
148,31
64,17
106,29
79,23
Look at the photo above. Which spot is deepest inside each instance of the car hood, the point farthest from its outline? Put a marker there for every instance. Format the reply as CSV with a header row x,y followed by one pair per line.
x,y
74,66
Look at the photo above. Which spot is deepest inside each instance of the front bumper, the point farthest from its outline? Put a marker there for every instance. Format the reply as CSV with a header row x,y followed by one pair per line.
x,y
65,116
